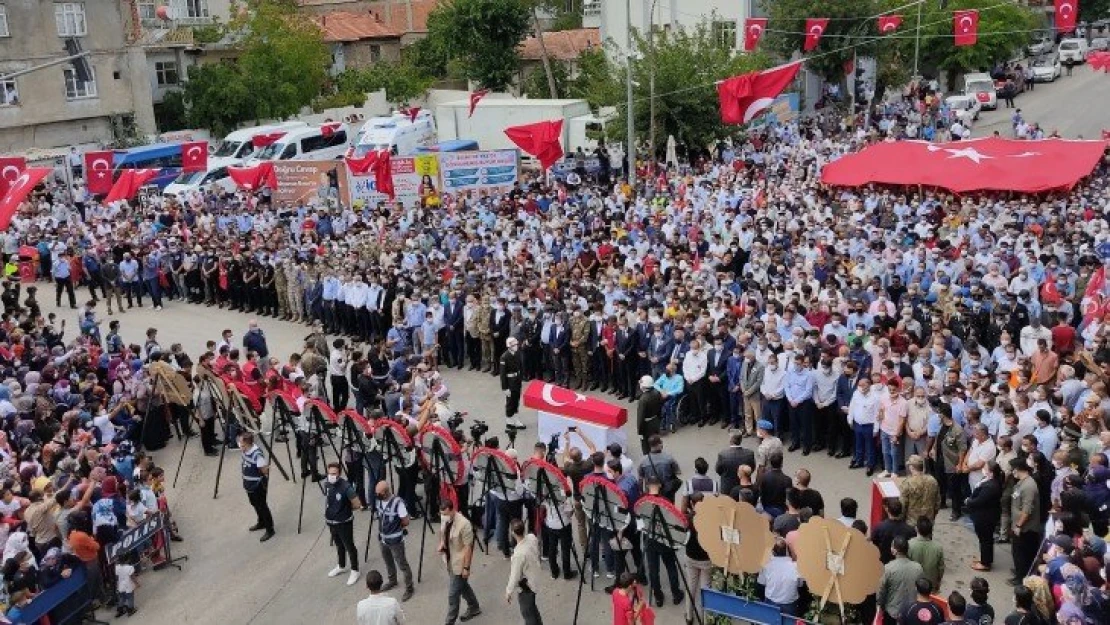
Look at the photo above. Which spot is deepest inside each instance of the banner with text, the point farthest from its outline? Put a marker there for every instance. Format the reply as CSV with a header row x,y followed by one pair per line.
x,y
488,172
311,182
410,175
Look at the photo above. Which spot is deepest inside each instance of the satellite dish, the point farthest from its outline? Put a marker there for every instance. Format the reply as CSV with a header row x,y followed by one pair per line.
x,y
163,13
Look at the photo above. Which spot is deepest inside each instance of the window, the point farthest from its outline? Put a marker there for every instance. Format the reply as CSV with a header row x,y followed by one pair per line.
x,y
724,34
321,142
4,22
196,8
166,71
70,18
375,54
148,10
77,90
9,96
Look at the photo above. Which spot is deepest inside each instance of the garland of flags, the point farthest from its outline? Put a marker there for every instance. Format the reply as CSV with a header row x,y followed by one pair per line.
x,y
965,26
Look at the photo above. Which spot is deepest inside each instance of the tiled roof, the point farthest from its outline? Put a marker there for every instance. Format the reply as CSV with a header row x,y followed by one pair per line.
x,y
394,13
341,26
562,45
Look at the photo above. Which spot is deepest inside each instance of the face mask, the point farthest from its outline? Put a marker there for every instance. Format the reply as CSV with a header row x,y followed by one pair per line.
x,y
333,479
445,518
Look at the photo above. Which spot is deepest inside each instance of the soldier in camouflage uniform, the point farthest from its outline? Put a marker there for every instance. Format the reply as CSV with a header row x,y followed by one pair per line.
x,y
579,348
299,283
485,333
281,287
920,491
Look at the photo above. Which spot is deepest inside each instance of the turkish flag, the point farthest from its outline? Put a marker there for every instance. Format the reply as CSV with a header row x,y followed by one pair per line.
x,y
254,178
753,32
330,129
98,172
475,98
541,139
194,156
889,23
1094,300
380,164
1099,61
815,27
10,168
988,164
265,139
1065,15
965,26
1049,293
18,190
129,183
744,97
362,166
412,113
548,397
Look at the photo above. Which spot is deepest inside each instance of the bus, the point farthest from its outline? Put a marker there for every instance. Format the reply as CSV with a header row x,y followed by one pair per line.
x,y
165,157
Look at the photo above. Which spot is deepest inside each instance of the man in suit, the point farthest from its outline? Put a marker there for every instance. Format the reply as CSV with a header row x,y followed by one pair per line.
x,y
751,377
730,459
659,350
717,390
453,319
499,332
599,361
558,342
649,413
626,359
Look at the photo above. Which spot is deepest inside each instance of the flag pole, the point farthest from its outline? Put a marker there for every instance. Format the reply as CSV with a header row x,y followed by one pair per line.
x,y
917,39
630,140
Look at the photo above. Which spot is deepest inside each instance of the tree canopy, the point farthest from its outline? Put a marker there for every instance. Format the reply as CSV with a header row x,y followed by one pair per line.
x,y
484,34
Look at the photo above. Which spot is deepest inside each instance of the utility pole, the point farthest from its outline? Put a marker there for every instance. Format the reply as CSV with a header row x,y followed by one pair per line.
x,y
554,91
630,147
651,81
917,39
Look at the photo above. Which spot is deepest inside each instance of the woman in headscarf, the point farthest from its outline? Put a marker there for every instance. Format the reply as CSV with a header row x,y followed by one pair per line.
x,y
1043,604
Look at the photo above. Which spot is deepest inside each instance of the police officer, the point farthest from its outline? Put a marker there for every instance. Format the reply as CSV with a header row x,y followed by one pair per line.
x,y
393,519
256,476
511,380
340,500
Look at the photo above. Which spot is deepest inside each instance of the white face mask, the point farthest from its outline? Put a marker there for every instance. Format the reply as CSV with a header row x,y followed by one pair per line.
x,y
333,479
445,518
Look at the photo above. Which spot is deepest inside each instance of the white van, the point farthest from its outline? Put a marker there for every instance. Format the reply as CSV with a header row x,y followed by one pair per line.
x,y
215,177
981,87
238,144
311,143
399,134
1074,50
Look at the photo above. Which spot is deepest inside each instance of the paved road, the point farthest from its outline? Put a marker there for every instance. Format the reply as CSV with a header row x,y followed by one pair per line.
x,y
1068,105
231,578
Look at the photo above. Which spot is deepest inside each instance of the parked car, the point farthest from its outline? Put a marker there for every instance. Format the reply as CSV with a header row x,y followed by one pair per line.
x,y
982,88
1017,75
1041,46
1046,68
1100,43
966,106
1074,50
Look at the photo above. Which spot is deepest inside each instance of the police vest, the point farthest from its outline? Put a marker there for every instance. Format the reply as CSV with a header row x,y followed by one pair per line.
x,y
337,506
252,475
391,531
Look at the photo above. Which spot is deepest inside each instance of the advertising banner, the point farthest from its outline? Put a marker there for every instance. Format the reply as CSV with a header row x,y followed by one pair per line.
x,y
310,181
409,173
487,172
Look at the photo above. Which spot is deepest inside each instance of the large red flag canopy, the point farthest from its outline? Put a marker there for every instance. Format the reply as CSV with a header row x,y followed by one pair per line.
x,y
254,178
989,164
18,190
541,139
129,183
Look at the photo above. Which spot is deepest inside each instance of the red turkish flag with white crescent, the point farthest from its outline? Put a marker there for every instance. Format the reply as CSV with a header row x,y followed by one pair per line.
x,y
753,32
965,27
815,27
889,23
129,183
10,168
1066,13
194,156
475,98
98,171
18,191
547,397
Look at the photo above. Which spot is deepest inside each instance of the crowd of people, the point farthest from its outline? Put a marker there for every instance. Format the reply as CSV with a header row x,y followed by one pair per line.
x,y
948,340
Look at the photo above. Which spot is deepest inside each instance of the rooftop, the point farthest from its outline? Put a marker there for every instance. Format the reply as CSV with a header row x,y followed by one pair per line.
x,y
562,45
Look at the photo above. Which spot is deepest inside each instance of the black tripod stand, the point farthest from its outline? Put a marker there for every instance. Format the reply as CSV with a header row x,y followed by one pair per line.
x,y
283,418
204,387
606,511
672,533
496,473
538,480
437,454
314,414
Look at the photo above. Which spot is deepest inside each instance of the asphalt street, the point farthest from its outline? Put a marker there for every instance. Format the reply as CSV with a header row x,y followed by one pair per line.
x,y
231,578
1071,105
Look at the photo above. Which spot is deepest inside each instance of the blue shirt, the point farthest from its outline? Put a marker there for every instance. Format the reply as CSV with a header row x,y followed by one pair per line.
x,y
61,269
799,385
670,384
331,288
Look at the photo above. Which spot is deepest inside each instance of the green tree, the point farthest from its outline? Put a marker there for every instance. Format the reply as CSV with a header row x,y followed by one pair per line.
x,y
535,85
595,80
786,28
217,98
939,52
1093,10
402,81
484,34
284,61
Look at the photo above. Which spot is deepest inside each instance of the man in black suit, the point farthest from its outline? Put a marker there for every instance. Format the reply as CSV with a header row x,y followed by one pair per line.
x,y
626,360
717,375
773,485
730,459
453,320
558,342
499,331
649,413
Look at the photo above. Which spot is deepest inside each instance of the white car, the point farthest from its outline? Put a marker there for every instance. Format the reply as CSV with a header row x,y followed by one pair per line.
x,y
1043,45
981,87
1100,43
967,107
1046,68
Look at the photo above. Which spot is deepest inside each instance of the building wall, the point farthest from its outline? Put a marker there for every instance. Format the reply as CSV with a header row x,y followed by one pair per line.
x,y
613,18
45,118
361,53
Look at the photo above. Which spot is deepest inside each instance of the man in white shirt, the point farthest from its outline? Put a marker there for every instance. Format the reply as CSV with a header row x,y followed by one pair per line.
x,y
862,413
982,450
378,609
780,579
524,571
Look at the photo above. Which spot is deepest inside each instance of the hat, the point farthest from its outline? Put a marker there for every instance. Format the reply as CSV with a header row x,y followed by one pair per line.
x,y
764,424
1063,542
646,382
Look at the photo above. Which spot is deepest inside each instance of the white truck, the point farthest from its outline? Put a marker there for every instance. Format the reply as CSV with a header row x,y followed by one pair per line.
x,y
493,116
399,133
